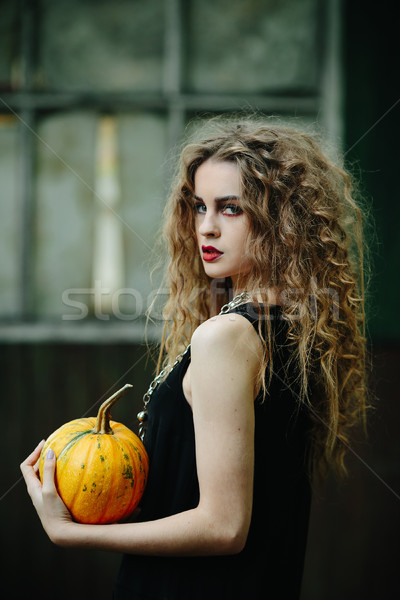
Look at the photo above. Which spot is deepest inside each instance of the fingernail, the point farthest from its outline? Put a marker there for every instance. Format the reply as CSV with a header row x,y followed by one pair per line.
x,y
50,453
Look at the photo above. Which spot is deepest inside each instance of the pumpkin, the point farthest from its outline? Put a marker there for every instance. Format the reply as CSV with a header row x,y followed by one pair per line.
x,y
101,466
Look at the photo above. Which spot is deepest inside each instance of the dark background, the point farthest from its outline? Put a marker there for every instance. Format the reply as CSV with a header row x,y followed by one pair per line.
x,y
353,549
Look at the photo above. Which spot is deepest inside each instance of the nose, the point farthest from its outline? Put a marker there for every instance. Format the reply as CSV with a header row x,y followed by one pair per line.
x,y
209,225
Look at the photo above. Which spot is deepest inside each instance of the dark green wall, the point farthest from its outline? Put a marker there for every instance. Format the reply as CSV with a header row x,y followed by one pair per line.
x,y
372,115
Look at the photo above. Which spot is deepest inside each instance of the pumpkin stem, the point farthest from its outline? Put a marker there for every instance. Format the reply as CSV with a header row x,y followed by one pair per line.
x,y
104,415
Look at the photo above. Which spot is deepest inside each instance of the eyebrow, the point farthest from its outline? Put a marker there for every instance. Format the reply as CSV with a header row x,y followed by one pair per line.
x,y
219,199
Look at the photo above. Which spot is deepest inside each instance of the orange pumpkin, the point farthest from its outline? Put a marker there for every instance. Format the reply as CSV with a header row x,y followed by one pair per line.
x,y
101,467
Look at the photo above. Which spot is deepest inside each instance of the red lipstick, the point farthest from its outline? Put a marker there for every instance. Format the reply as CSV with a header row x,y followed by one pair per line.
x,y
210,253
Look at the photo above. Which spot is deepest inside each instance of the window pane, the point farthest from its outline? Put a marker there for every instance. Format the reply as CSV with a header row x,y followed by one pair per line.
x,y
252,46
101,45
72,204
305,123
143,146
64,204
9,209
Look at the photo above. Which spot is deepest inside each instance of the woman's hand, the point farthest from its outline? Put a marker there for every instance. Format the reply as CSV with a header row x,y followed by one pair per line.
x,y
52,511
223,414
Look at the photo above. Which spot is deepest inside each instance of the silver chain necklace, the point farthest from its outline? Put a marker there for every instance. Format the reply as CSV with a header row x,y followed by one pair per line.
x,y
142,416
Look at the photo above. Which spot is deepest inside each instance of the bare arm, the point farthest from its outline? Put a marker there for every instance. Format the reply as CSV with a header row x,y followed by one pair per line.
x,y
225,359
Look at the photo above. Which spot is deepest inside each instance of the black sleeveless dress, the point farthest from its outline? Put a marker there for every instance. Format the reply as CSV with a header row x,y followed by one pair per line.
x,y
271,563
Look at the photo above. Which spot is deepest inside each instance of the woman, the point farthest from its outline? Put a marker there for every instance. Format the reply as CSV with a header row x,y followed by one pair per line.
x,y
267,391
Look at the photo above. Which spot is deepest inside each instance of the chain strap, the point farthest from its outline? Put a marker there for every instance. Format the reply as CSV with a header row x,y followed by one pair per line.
x,y
142,416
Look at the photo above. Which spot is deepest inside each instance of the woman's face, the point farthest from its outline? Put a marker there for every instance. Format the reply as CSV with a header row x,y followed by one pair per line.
x,y
221,226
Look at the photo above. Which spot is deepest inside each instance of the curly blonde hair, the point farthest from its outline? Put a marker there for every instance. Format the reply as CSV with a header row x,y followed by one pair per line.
x,y
306,240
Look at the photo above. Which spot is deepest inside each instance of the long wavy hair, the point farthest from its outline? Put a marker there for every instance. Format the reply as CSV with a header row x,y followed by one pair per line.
x,y
306,240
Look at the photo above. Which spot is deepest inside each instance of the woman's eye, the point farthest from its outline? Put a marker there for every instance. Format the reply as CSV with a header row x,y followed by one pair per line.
x,y
232,209
200,208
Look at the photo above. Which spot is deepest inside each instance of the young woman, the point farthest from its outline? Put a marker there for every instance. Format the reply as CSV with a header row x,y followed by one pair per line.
x,y
270,387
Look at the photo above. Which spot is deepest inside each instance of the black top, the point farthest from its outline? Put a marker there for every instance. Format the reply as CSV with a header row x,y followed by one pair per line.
x,y
273,557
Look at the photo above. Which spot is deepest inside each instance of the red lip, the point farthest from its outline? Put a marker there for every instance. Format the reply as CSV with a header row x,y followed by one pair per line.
x,y
210,253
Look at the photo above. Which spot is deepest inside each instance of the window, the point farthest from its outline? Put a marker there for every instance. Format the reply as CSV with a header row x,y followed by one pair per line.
x,y
95,95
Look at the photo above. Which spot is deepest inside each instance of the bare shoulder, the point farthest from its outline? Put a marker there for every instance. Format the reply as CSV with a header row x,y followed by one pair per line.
x,y
231,333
